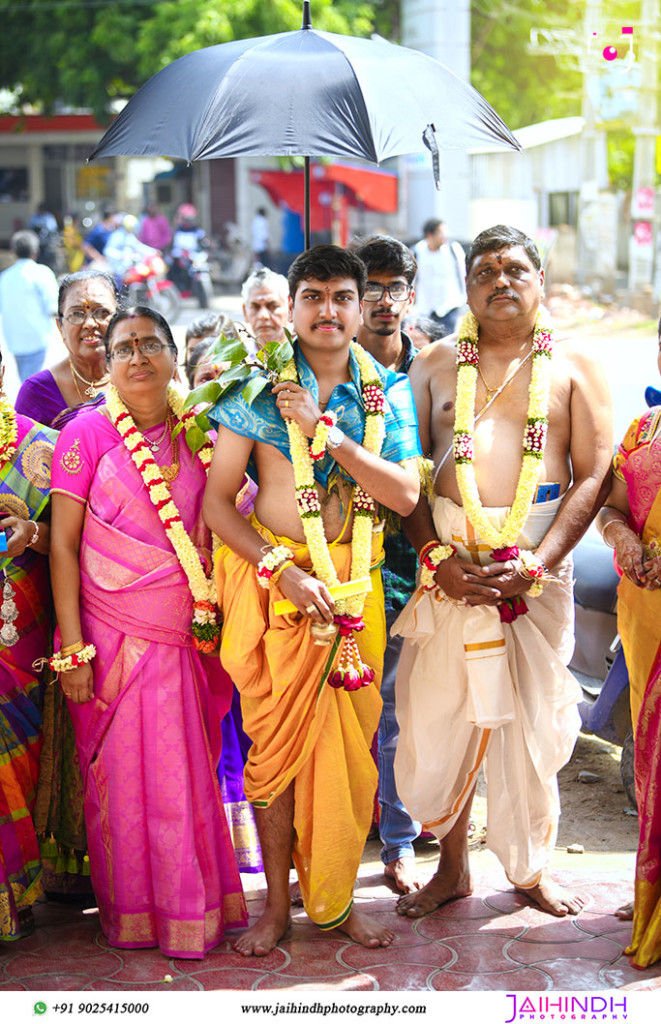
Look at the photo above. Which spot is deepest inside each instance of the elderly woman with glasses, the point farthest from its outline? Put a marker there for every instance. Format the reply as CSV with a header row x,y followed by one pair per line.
x,y
135,606
86,303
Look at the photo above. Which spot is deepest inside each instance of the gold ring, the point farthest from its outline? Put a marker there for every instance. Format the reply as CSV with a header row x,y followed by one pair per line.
x,y
311,608
286,403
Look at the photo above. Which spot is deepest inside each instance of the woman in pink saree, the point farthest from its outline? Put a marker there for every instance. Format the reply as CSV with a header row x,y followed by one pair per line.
x,y
631,523
147,708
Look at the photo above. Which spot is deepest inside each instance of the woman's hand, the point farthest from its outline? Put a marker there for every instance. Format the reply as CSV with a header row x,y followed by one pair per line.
x,y
296,403
630,555
78,684
652,570
22,534
310,595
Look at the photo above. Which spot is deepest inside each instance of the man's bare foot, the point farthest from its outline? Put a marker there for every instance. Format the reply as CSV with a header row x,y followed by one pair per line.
x,y
400,871
550,896
625,913
263,935
363,929
447,884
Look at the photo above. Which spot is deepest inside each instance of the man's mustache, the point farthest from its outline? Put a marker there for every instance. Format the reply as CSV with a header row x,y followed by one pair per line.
x,y
328,323
504,293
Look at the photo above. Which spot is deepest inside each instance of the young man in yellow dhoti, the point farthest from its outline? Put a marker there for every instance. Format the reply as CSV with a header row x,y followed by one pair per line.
x,y
519,429
308,676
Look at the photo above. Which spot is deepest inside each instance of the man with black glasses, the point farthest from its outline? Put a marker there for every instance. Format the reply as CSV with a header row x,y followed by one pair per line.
x,y
389,296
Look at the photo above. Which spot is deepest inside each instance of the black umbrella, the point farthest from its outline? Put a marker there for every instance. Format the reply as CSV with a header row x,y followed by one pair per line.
x,y
303,93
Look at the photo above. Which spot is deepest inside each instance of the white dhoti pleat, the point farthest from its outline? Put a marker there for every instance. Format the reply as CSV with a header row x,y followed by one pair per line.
x,y
471,689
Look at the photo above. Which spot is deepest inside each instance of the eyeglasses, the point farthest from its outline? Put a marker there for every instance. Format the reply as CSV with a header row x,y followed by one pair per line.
x,y
149,349
79,316
397,291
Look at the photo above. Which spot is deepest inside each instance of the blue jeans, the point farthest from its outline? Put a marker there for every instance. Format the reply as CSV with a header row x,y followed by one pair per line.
x,y
396,827
29,363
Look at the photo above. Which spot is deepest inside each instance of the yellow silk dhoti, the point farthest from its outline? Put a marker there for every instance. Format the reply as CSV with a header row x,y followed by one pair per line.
x,y
303,730
472,690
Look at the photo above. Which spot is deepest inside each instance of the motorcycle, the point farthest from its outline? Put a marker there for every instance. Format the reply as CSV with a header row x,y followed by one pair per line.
x,y
146,282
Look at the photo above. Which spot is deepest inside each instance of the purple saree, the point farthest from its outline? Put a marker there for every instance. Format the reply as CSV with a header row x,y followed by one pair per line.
x,y
161,859
40,398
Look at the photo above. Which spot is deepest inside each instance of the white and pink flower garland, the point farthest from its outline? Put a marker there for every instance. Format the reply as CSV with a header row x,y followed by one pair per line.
x,y
503,542
205,626
351,673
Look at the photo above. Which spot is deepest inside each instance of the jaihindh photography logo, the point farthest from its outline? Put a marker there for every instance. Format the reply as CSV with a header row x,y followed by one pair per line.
x,y
584,1007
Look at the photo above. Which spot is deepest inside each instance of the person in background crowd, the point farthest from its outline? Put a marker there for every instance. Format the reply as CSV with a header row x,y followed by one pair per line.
x,y
259,233
264,296
95,242
44,225
28,304
422,330
135,606
439,284
155,230
25,466
209,325
86,303
630,521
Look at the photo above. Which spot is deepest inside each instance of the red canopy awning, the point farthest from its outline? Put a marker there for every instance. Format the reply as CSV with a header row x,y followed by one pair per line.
x,y
357,186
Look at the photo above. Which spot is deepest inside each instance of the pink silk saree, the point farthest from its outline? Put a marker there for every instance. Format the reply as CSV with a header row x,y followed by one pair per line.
x,y
638,463
162,864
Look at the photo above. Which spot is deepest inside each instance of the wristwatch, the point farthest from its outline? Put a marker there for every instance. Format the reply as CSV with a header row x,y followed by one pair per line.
x,y
334,438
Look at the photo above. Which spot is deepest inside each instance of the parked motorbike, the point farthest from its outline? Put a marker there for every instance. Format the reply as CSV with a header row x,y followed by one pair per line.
x,y
146,283
191,270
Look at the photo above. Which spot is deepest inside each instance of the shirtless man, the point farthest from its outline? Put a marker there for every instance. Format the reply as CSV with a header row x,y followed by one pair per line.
x,y
309,775
487,672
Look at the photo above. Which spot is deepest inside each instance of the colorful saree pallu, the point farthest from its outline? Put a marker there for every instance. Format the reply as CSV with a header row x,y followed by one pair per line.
x,y
303,730
162,864
638,463
24,486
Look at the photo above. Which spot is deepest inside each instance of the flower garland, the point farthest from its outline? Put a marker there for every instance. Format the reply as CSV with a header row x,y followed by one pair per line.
x,y
503,541
351,672
205,626
8,430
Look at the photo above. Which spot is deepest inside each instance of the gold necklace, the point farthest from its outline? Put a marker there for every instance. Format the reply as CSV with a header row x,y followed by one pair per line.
x,y
170,473
92,385
498,390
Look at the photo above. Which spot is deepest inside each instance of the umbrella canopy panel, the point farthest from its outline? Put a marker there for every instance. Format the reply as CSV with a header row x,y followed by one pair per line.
x,y
303,93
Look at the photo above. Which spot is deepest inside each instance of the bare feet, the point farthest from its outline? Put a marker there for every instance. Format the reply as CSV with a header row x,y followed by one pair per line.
x,y
363,929
550,896
625,913
264,935
401,872
447,884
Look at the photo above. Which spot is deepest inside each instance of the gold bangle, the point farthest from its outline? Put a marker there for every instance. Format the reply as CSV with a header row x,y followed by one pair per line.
x,y
610,522
72,649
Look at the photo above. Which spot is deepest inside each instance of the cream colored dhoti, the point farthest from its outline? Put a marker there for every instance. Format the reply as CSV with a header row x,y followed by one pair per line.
x,y
471,689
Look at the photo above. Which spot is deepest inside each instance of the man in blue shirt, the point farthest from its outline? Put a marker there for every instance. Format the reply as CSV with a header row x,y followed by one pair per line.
x,y
95,243
28,303
389,295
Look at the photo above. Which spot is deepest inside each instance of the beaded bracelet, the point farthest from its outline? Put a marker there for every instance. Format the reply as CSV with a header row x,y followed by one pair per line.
x,y
318,444
431,556
65,663
270,562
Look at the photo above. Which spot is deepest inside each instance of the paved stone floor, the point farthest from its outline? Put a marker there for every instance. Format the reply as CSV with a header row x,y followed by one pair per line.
x,y
494,940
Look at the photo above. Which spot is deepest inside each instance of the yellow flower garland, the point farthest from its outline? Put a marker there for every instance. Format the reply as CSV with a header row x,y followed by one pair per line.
x,y
308,498
206,630
534,435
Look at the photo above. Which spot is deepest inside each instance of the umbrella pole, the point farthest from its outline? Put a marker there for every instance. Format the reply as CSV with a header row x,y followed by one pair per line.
x,y
306,200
